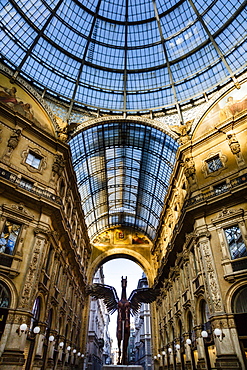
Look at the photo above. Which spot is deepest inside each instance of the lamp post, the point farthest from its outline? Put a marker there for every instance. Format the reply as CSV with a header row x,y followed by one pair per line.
x,y
163,359
59,353
204,335
31,336
192,359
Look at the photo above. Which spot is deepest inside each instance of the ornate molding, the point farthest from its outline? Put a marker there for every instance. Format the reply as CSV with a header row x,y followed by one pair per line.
x,y
151,122
41,230
226,214
18,210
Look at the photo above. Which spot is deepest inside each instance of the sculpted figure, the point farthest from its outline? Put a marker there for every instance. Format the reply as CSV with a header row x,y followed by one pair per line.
x,y
58,164
14,139
189,167
233,144
124,307
182,131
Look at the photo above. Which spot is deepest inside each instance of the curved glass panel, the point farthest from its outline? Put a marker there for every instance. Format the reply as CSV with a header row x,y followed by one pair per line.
x,y
123,172
131,56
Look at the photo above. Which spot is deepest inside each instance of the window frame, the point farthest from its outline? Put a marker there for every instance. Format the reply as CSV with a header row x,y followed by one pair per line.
x,y
36,153
212,156
213,161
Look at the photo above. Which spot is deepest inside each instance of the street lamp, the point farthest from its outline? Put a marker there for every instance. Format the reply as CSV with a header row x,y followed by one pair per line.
x,y
188,341
36,330
204,334
218,334
22,329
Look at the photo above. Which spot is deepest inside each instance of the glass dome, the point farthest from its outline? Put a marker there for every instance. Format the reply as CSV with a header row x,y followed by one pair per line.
x,y
134,56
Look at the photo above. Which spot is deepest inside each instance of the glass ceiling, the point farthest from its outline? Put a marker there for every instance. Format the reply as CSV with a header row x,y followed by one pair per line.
x,y
124,56
123,172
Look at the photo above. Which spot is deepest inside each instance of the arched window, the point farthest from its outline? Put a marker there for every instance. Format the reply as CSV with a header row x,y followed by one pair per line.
x,y
235,242
240,301
35,312
4,296
239,308
192,337
49,261
181,342
204,312
190,326
62,188
49,319
68,210
5,300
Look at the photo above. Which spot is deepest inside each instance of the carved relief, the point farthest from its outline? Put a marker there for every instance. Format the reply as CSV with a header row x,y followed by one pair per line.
x,y
31,278
18,210
213,286
227,213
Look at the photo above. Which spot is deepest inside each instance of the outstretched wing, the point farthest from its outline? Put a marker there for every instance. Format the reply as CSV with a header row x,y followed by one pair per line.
x,y
144,295
105,292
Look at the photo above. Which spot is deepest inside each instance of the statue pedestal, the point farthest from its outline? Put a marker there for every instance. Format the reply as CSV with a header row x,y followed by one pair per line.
x,y
122,367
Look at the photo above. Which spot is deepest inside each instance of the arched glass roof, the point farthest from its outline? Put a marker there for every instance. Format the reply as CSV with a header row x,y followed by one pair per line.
x,y
123,172
125,56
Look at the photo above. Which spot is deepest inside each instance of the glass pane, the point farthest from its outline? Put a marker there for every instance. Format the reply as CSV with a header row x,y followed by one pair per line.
x,y
33,160
135,56
4,296
9,237
123,172
214,164
236,243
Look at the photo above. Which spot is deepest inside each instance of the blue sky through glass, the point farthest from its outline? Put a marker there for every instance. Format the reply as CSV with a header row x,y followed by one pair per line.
x,y
114,59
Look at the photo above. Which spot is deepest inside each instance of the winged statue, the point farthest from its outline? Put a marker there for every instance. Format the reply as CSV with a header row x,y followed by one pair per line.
x,y
125,307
